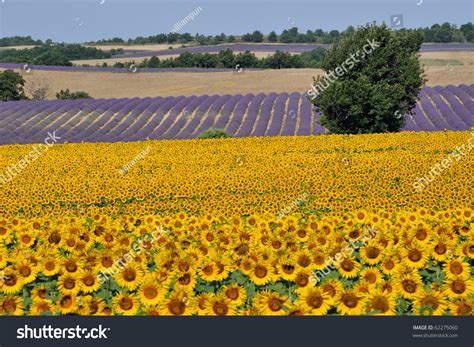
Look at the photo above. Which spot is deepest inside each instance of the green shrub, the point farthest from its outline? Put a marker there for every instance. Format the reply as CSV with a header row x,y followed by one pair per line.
x,y
213,134
67,94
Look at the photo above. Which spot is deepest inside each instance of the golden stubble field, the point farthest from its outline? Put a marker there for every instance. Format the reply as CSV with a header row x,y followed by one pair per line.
x,y
121,85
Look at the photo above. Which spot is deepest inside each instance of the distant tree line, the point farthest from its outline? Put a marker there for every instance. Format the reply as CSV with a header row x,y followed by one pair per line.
x,y
438,33
444,33
54,54
49,53
228,59
19,41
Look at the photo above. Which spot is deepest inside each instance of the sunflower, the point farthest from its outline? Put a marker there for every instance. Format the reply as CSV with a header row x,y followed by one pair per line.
x,y
71,264
303,233
269,303
332,287
130,276
187,280
67,303
466,248
94,305
462,307
429,302
415,255
11,283
408,285
304,278
421,234
106,261
39,292
442,247
69,284
88,280
349,302
68,241
371,254
456,268
316,301
362,287
382,302
220,305
235,293
389,264
319,260
361,217
202,303
348,267
262,273
371,276
50,265
298,310
150,291
26,270
458,287
208,270
179,303
41,306
106,311
26,239
387,286
126,304
303,259
153,310
286,267
11,306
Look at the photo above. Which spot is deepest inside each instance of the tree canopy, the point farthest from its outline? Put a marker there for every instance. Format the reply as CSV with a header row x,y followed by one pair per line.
x,y
11,86
372,90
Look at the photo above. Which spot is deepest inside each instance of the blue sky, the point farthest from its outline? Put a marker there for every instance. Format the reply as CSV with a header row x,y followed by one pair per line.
x,y
85,20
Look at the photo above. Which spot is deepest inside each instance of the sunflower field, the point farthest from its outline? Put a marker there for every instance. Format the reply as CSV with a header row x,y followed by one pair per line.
x,y
211,227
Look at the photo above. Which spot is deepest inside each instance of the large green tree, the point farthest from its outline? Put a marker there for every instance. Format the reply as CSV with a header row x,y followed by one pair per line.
x,y
11,86
368,91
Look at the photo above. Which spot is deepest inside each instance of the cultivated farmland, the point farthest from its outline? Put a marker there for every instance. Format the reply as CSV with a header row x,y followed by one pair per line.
x,y
273,114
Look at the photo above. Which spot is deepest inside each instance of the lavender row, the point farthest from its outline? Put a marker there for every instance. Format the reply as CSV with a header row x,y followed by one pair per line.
x,y
136,119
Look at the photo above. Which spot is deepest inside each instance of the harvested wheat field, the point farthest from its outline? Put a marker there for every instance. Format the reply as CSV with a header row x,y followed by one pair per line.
x,y
121,85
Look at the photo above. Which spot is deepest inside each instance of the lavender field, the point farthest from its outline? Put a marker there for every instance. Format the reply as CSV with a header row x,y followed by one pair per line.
x,y
136,119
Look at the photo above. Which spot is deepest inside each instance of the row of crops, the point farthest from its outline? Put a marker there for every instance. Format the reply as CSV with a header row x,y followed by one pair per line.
x,y
136,119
